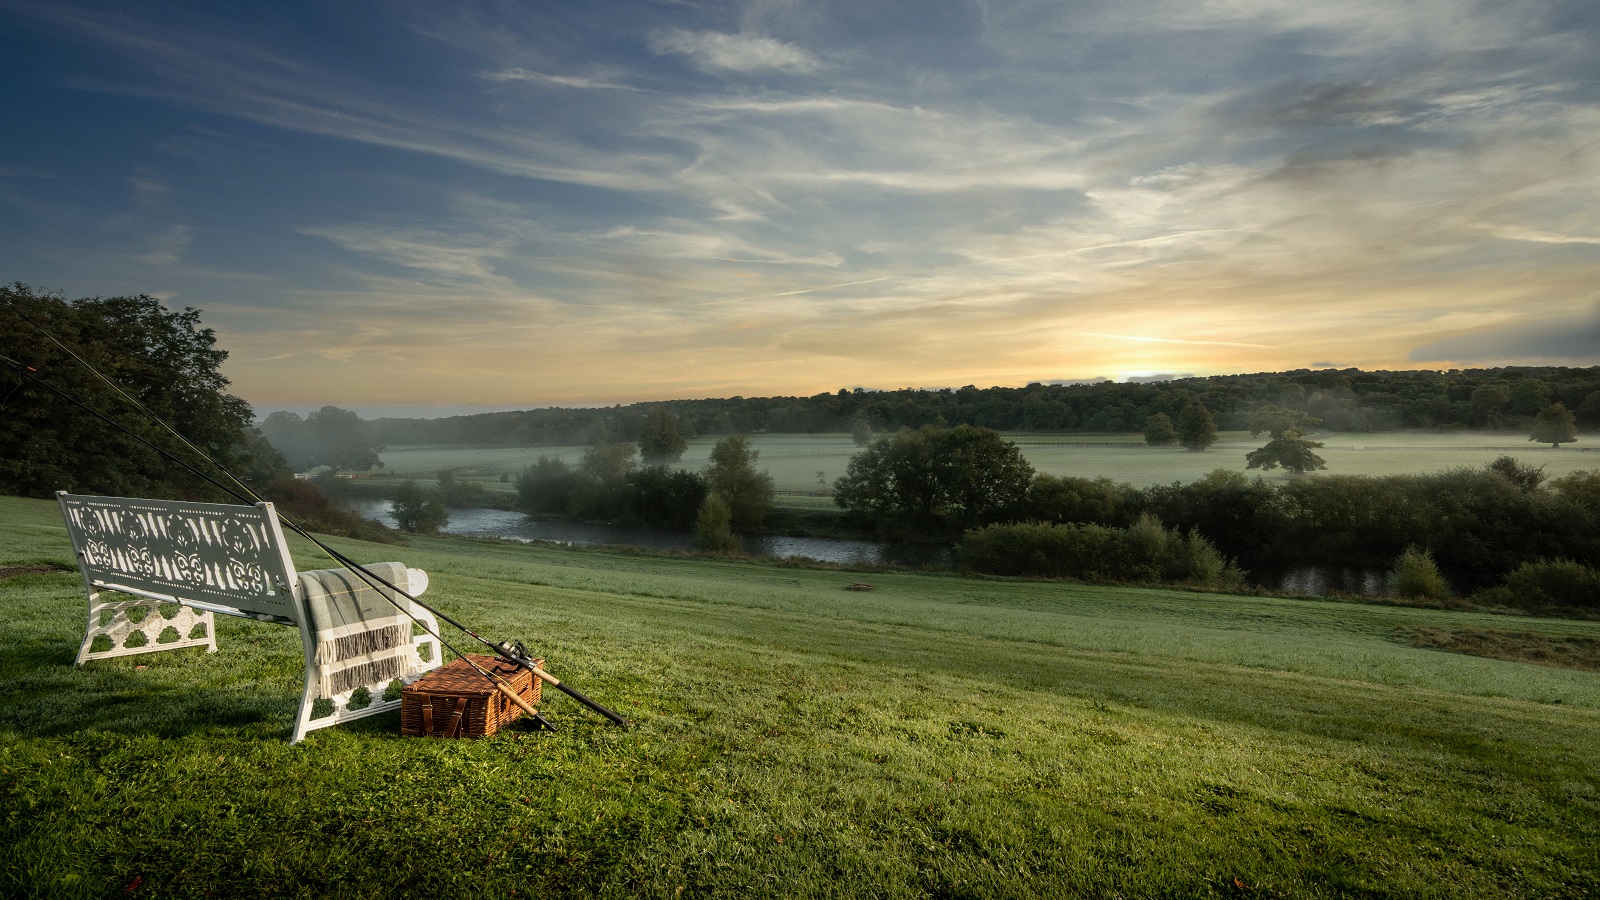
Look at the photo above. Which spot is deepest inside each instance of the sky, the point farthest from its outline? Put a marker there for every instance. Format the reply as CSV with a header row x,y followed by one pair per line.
x,y
498,205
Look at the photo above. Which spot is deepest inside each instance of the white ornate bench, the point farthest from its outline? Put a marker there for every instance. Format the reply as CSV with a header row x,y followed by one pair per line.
x,y
179,563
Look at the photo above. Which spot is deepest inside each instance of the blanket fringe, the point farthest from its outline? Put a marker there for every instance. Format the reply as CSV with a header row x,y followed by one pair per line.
x,y
363,643
368,674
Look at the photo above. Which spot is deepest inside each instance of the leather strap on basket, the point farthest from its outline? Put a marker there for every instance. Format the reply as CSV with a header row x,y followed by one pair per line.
x,y
454,729
451,730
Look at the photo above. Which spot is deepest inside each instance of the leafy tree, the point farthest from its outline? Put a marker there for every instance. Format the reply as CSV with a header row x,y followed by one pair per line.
x,y
1292,451
461,492
861,432
341,440
985,476
1488,404
287,432
1276,421
1068,498
1547,583
1197,430
1588,412
416,510
666,497
1158,431
545,487
1523,475
1581,487
163,358
1554,426
1145,551
732,475
659,440
332,437
607,461
936,477
601,488
1529,396
713,527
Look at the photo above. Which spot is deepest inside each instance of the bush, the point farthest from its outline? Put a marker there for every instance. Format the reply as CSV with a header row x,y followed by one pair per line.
x,y
460,493
665,497
1547,583
1416,575
713,530
415,509
545,487
1145,551
1067,498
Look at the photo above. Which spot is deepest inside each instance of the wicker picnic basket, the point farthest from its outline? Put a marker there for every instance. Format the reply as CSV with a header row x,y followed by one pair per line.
x,y
455,701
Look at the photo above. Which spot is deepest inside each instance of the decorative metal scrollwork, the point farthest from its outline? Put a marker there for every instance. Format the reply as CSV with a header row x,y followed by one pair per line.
x,y
190,548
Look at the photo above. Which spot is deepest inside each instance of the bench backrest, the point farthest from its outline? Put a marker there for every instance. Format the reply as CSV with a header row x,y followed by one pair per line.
x,y
227,559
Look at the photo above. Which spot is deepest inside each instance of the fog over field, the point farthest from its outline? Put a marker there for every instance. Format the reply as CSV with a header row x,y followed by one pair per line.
x,y
795,460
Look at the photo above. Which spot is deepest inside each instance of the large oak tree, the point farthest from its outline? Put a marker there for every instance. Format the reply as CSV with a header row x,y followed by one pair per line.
x,y
935,478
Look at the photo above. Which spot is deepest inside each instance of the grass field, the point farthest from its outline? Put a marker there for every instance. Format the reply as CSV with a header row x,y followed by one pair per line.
x,y
795,460
936,737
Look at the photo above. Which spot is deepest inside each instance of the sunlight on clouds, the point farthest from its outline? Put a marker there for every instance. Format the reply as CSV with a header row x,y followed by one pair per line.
x,y
694,202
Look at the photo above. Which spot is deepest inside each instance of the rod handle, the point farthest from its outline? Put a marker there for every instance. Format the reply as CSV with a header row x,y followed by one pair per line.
x,y
555,682
512,695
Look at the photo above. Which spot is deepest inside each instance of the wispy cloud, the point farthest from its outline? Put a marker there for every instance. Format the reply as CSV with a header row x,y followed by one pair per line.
x,y
1536,236
1155,340
568,81
166,247
719,52
749,194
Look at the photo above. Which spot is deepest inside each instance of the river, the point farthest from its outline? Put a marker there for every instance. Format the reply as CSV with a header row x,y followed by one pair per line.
x,y
1313,580
497,523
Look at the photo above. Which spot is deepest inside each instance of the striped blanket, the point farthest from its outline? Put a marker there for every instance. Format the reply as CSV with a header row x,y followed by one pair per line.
x,y
362,639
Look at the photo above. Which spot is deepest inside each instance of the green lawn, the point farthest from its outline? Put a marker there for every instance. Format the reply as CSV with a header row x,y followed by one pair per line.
x,y
936,737
795,460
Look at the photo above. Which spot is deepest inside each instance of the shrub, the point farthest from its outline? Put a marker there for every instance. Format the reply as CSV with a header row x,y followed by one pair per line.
x,y
1416,575
545,487
415,509
1552,582
713,531
1526,476
1145,551
665,497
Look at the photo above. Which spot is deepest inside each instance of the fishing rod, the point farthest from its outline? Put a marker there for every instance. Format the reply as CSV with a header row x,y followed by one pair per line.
x,y
513,653
366,575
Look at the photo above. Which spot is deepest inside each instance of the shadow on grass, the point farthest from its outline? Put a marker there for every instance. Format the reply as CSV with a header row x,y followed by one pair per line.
x,y
43,695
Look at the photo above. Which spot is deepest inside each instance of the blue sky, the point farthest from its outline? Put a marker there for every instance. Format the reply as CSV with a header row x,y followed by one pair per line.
x,y
501,205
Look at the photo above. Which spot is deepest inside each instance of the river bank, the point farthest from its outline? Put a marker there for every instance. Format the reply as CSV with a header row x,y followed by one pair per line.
x,y
1301,579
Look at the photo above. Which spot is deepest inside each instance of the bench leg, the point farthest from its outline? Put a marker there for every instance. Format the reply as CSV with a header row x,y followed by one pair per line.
x,y
308,700
114,621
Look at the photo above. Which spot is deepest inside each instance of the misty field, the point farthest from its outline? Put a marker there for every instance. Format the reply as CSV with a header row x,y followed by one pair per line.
x,y
795,459
938,736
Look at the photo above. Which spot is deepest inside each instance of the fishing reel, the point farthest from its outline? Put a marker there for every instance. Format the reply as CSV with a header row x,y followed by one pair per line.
x,y
514,651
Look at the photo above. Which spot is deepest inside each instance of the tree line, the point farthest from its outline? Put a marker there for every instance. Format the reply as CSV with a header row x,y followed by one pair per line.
x,y
1342,399
969,484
